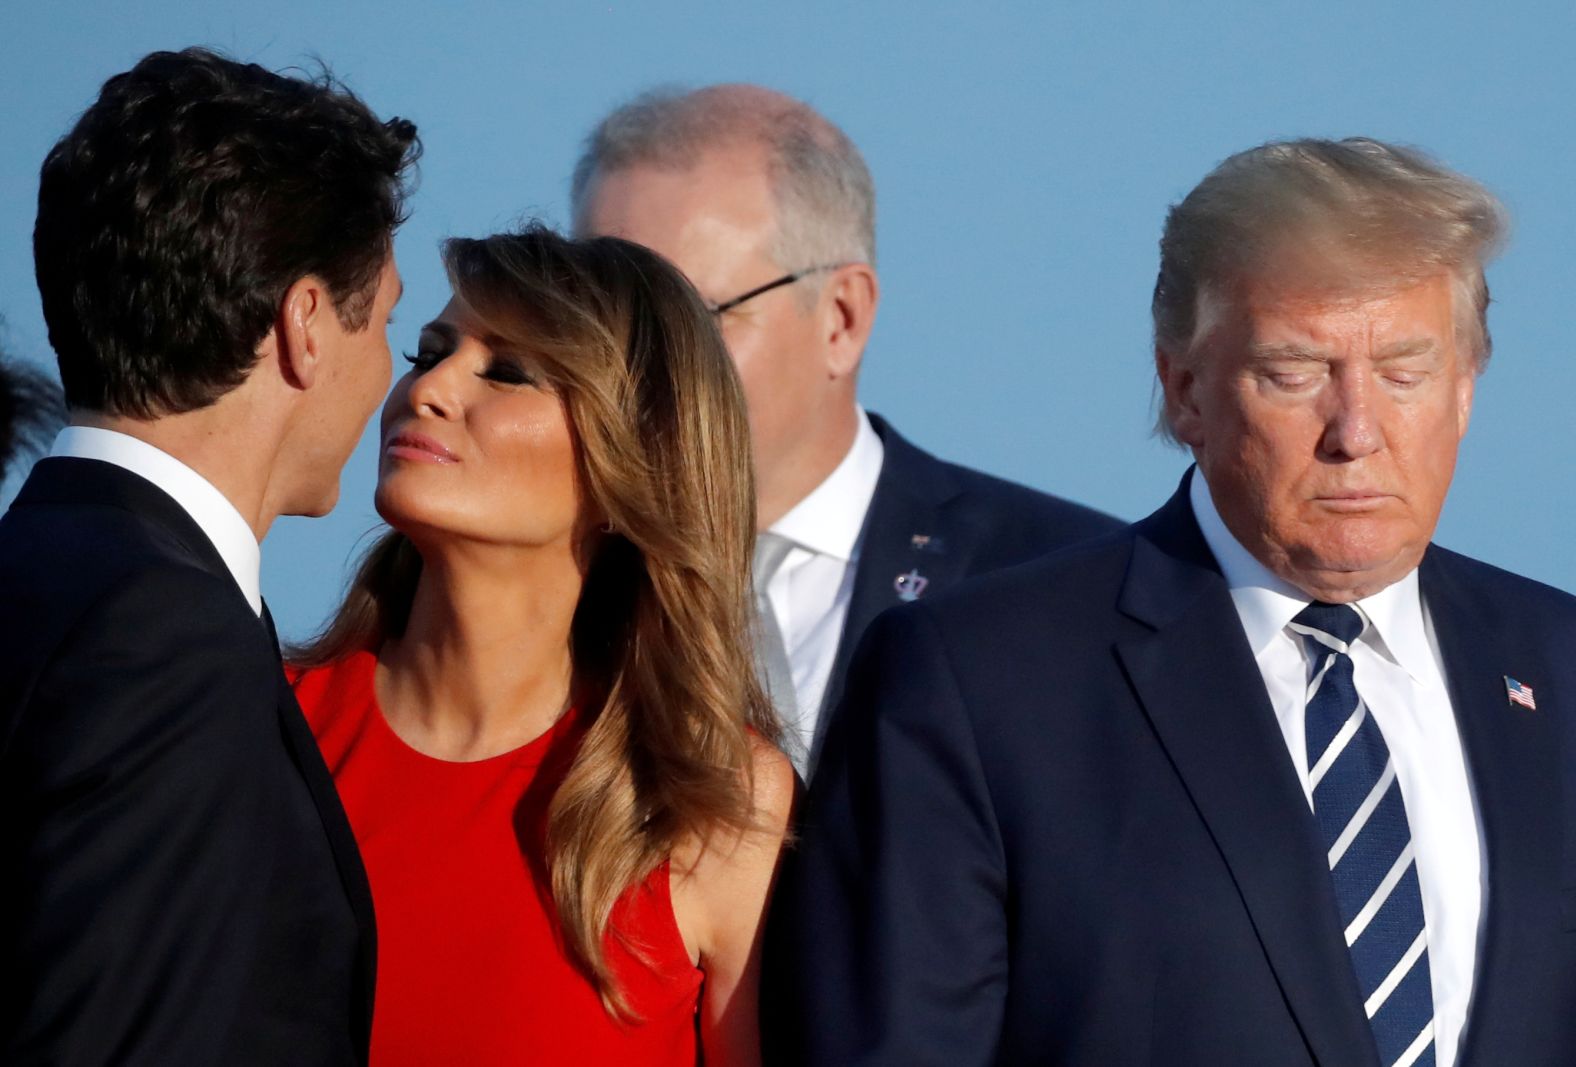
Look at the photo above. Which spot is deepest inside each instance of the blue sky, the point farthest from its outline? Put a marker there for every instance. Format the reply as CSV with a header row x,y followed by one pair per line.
x,y
1024,156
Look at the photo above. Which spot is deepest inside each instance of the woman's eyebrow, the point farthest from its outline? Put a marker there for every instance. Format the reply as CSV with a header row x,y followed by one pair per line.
x,y
443,330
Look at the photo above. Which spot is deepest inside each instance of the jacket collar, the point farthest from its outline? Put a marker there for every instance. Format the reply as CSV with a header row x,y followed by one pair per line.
x,y
904,534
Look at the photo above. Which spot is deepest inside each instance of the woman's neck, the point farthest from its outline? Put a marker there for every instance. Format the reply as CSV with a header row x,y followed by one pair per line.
x,y
484,665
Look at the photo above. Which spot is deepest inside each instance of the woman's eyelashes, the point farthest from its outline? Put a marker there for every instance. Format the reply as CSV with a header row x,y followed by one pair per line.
x,y
507,372
497,368
424,359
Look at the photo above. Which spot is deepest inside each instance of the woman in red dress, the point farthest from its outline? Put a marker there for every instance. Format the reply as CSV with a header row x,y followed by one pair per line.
x,y
538,700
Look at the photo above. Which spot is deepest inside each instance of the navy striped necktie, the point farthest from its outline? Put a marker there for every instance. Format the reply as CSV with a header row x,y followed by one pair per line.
x,y
1357,802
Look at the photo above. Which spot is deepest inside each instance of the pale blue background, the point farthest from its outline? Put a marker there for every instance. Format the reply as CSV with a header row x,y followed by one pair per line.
x,y
1024,156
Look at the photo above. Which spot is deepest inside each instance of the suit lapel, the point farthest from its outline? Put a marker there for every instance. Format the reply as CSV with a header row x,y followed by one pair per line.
x,y
903,536
1202,691
308,759
1512,754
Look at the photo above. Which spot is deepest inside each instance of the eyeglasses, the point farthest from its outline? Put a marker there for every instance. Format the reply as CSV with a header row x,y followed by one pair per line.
x,y
776,283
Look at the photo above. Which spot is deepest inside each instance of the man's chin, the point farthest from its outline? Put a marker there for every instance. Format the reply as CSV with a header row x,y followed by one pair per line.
x,y
1345,577
320,506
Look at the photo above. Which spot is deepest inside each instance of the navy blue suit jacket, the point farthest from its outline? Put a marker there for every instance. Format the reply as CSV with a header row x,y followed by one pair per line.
x,y
944,523
1056,823
181,886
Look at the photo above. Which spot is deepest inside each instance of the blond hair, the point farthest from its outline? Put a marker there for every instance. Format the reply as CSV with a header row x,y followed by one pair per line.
x,y
662,660
1344,218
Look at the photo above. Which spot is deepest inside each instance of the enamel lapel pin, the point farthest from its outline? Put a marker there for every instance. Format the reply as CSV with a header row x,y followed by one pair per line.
x,y
1520,693
911,586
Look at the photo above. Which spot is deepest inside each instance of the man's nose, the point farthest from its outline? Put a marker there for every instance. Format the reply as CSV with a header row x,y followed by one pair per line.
x,y
1352,427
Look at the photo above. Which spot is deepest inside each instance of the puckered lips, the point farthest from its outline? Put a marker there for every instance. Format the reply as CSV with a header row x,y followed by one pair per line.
x,y
417,447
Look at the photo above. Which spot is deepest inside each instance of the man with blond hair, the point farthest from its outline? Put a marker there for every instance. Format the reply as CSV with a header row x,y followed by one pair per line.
x,y
770,211
1270,779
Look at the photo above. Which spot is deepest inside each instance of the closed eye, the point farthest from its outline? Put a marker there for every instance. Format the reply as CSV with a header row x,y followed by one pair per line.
x,y
1296,377
506,372
424,360
1406,379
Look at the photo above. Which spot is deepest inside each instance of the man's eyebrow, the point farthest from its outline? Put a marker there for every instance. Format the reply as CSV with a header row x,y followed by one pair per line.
x,y
1286,350
1420,346
401,294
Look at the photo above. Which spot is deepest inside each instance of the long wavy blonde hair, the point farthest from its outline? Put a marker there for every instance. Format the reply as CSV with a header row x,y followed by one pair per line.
x,y
661,635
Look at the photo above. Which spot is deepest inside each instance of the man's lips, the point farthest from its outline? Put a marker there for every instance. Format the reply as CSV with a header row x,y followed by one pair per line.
x,y
1353,500
419,447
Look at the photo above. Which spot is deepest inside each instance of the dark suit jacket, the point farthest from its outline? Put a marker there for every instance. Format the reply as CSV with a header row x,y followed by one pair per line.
x,y
944,523
1056,823
181,886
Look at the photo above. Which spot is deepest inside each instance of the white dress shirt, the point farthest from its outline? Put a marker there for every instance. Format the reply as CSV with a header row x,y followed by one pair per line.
x,y
811,590
210,509
1399,672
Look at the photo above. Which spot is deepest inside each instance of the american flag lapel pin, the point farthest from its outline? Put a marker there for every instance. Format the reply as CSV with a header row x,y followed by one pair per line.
x,y
1520,693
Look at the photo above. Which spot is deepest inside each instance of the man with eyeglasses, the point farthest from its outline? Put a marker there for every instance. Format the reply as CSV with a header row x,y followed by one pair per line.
x,y
770,211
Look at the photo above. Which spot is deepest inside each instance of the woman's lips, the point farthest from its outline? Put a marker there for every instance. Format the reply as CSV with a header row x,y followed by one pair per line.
x,y
418,447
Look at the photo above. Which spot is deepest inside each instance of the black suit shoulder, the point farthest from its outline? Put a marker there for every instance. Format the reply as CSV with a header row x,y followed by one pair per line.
x,y
1019,505
1066,593
1003,522
933,524
171,894
172,637
55,557
1517,592
101,582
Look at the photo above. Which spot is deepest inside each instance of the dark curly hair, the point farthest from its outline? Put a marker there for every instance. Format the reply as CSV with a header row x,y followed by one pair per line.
x,y
185,202
30,411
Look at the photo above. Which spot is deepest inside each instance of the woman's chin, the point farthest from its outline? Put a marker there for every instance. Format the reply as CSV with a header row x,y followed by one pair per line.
x,y
401,512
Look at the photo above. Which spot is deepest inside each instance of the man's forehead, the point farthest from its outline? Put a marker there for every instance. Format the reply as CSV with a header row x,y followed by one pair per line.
x,y
1288,303
707,220
645,194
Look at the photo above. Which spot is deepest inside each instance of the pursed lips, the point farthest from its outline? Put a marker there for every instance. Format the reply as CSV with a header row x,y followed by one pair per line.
x,y
417,446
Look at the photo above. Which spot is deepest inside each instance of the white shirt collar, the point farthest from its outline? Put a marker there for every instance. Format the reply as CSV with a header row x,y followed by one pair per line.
x,y
209,508
828,521
1266,602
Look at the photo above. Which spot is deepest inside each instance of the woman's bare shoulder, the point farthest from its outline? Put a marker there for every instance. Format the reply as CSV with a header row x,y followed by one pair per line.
x,y
776,787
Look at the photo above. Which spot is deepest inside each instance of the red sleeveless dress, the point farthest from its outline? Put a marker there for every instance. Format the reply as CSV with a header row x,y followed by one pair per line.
x,y
471,965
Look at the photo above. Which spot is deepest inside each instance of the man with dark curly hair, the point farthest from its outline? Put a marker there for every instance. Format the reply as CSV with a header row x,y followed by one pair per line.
x,y
214,252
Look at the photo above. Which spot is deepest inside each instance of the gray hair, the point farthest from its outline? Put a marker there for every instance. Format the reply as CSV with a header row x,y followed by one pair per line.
x,y
1333,217
825,199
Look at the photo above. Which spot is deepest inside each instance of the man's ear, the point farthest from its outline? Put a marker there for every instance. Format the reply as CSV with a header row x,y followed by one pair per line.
x,y
298,330
848,308
1178,393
